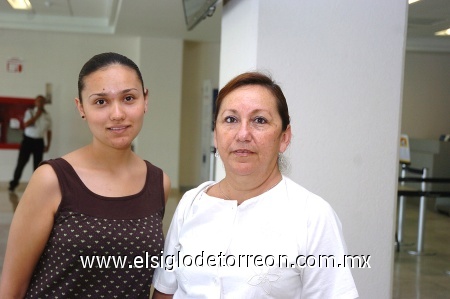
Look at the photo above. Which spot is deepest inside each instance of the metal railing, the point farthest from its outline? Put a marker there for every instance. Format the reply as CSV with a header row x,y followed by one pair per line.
x,y
423,193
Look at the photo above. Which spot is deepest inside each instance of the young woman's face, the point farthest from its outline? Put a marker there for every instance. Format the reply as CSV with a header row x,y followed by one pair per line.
x,y
248,132
113,105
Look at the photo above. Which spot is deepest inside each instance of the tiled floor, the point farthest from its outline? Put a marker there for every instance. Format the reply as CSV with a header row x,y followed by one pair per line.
x,y
423,276
414,276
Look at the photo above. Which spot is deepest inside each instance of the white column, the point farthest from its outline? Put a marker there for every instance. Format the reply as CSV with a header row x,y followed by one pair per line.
x,y
340,65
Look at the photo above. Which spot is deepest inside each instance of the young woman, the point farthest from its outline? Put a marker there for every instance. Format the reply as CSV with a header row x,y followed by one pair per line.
x,y
87,217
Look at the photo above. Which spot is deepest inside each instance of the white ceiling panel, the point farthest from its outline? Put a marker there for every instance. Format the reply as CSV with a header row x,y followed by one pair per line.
x,y
157,18
92,16
165,18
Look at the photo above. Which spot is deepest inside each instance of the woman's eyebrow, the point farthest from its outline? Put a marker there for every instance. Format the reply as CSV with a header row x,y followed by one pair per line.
x,y
102,94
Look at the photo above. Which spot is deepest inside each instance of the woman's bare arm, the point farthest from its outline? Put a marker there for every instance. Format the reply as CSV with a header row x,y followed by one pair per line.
x,y
29,232
158,295
166,183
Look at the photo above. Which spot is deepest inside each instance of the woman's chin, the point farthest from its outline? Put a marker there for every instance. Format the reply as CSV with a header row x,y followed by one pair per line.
x,y
243,170
121,144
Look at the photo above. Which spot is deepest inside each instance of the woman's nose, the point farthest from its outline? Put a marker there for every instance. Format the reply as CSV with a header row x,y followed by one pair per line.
x,y
117,112
243,133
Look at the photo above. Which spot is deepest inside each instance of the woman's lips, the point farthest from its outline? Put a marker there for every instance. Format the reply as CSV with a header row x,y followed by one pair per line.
x,y
242,152
118,129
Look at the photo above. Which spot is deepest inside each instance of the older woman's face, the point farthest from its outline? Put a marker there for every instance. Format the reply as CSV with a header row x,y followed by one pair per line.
x,y
248,132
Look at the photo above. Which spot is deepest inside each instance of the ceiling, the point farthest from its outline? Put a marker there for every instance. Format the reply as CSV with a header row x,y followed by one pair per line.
x,y
152,18
165,18
426,17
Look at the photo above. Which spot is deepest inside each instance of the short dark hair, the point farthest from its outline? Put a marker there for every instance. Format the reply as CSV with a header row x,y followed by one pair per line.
x,y
39,96
103,60
256,78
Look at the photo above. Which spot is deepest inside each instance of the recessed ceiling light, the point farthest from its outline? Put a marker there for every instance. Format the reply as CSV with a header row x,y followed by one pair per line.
x,y
443,32
412,1
20,4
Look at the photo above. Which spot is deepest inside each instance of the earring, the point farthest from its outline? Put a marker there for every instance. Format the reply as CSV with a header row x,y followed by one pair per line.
x,y
216,154
82,116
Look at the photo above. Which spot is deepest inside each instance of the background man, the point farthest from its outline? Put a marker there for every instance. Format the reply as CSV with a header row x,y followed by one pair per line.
x,y
37,125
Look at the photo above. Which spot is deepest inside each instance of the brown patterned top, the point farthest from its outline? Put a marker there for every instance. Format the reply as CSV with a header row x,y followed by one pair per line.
x,y
118,235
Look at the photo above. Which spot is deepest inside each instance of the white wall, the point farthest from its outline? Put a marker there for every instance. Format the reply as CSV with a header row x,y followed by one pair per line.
x,y
159,140
426,95
57,58
201,62
340,65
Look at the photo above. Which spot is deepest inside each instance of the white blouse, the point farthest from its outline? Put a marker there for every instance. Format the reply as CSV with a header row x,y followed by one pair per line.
x,y
223,250
40,127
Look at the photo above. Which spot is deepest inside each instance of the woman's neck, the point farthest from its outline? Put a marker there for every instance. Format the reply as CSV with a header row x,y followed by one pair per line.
x,y
110,157
241,188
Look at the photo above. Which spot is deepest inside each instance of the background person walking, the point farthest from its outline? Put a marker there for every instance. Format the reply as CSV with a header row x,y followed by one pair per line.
x,y
37,124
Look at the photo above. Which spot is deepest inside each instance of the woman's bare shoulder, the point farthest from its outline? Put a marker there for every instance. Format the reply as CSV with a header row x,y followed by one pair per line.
x,y
42,190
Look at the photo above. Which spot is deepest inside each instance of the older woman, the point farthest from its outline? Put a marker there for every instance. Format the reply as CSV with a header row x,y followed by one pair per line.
x,y
256,233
